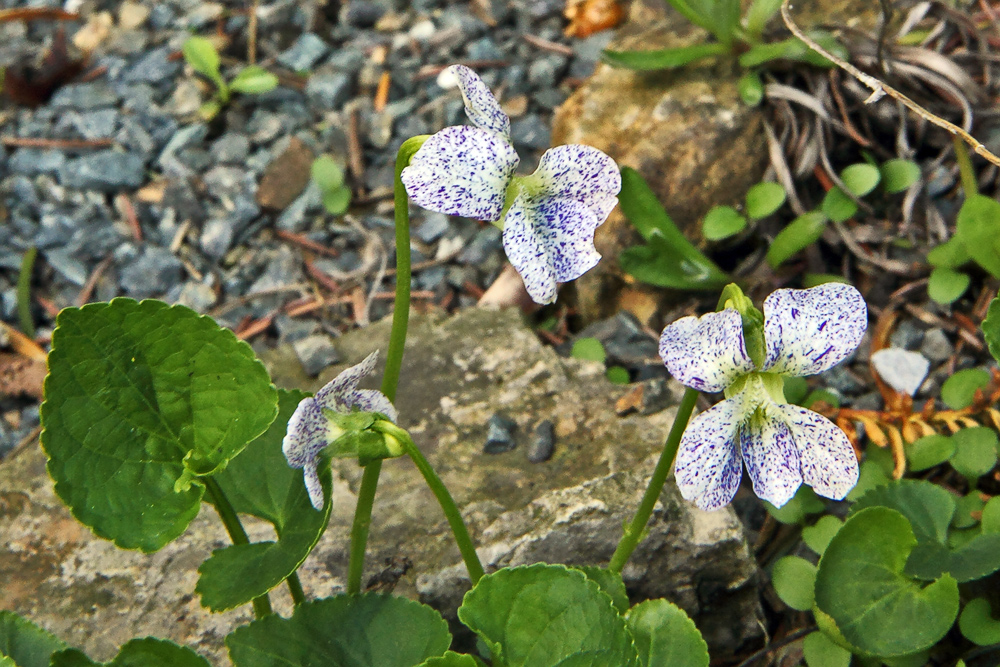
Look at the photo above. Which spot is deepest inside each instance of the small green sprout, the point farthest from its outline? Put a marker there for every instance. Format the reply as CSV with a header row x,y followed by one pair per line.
x,y
200,54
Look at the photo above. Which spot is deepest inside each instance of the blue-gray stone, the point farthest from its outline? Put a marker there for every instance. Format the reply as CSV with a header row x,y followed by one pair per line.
x,y
434,226
315,353
231,147
544,72
107,171
549,98
293,218
485,48
152,273
531,132
363,13
304,53
34,161
154,67
63,262
98,124
84,96
486,242
186,136
348,60
936,346
329,91
216,237
500,434
161,16
544,442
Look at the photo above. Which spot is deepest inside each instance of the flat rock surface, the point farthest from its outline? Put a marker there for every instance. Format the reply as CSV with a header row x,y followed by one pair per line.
x,y
457,373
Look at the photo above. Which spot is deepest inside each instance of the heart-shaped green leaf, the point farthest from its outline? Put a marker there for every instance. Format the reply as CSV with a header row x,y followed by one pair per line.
x,y
260,482
794,580
978,624
820,651
665,636
928,507
991,328
817,536
25,644
547,615
452,659
959,390
370,630
899,174
862,587
141,399
976,228
975,451
721,222
146,652
765,198
929,451
611,584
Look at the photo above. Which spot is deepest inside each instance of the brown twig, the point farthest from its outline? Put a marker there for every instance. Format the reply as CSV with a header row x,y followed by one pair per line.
x,y
88,287
548,45
880,89
355,156
252,33
307,243
128,211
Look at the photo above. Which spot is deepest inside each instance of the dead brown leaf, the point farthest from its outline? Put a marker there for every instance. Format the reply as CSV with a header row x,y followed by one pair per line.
x,y
21,376
589,16
286,177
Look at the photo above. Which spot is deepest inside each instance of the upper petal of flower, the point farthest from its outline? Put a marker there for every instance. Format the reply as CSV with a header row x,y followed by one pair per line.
x,y
812,330
308,433
827,458
708,468
372,400
771,457
462,171
583,173
549,240
335,393
706,353
480,105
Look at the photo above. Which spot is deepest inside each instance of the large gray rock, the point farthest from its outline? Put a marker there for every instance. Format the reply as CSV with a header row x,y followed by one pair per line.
x,y
457,373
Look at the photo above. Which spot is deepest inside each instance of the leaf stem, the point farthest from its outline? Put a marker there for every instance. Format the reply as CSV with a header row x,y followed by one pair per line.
x,y
393,364
24,292
262,604
634,531
440,491
295,588
968,175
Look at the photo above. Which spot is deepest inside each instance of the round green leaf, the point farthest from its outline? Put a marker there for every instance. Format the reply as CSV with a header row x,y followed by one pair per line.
x,y
145,652
975,451
797,235
751,88
861,585
804,502
964,508
141,399
899,174
860,178
618,375
261,483
990,520
542,615
763,199
253,80
814,279
929,451
24,643
721,222
369,630
977,623
959,390
947,285
794,580
976,228
589,349
337,200
665,636
837,206
928,507
820,651
991,328
817,536
327,173
950,255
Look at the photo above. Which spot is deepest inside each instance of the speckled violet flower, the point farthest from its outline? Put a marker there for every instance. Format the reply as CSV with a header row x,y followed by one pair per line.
x,y
309,430
783,445
548,218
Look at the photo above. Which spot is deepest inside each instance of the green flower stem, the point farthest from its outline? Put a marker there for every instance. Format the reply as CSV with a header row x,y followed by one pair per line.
x,y
970,183
440,491
393,364
633,532
24,292
262,604
295,588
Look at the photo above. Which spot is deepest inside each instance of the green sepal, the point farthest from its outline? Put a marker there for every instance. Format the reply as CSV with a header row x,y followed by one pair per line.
x,y
753,320
407,150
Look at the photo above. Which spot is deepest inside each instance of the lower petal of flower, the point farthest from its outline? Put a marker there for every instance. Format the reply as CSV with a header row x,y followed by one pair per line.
x,y
709,468
771,457
827,458
313,487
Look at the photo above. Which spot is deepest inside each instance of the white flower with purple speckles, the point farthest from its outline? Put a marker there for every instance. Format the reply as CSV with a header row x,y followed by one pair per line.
x,y
783,445
309,430
548,218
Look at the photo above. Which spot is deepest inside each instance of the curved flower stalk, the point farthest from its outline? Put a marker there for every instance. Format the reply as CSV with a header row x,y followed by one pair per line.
x,y
804,332
310,430
548,218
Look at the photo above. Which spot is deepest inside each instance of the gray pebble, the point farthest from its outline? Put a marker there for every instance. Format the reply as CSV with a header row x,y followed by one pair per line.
x,y
232,147
434,226
544,72
154,272
936,346
364,14
544,442
106,171
907,335
197,296
154,67
531,132
32,161
500,434
307,50
84,96
98,124
656,396
315,353
216,237
65,264
486,242
291,329
329,91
